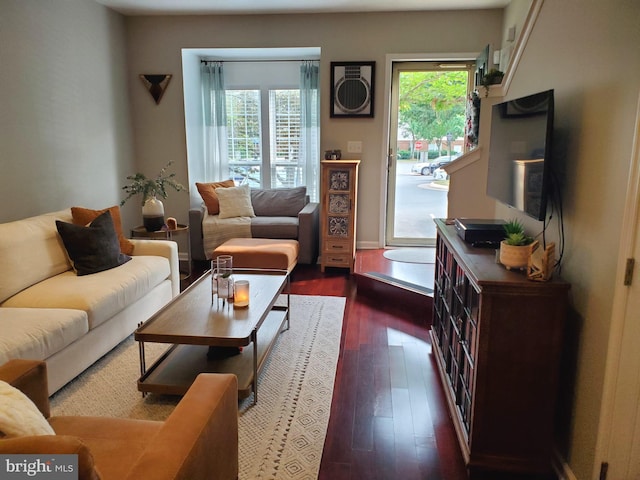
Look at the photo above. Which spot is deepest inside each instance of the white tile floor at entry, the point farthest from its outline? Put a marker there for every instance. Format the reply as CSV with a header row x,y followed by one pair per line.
x,y
411,254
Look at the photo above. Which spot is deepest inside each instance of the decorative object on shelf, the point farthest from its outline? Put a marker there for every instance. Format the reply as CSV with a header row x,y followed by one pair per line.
x,y
540,266
332,154
352,88
492,77
151,189
172,223
241,293
222,284
482,65
516,248
156,84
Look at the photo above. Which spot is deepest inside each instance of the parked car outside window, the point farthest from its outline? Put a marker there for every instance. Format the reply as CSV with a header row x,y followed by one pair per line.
x,y
428,168
440,174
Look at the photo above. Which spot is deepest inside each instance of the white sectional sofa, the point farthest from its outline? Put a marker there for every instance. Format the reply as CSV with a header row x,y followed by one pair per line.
x,y
47,312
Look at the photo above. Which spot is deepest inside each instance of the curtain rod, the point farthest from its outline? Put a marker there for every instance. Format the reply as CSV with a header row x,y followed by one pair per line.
x,y
257,61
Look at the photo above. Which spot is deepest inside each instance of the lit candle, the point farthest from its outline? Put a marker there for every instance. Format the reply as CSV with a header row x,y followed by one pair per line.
x,y
241,293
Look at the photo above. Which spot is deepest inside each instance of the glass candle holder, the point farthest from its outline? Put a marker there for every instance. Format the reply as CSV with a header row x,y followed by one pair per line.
x,y
224,265
222,279
241,293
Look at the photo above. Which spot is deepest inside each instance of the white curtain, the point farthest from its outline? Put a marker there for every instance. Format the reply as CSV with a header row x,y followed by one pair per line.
x,y
216,163
310,126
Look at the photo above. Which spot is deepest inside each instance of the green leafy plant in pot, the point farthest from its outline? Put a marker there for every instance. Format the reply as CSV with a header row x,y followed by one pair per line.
x,y
517,246
151,189
492,77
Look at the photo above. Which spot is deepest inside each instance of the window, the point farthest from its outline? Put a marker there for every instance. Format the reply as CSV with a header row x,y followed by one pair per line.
x,y
284,125
261,124
245,134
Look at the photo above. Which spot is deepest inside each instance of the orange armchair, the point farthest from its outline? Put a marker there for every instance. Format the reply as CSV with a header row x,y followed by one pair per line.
x,y
199,440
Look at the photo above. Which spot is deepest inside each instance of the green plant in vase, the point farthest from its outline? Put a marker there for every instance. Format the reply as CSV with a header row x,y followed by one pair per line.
x,y
151,189
492,77
516,247
515,234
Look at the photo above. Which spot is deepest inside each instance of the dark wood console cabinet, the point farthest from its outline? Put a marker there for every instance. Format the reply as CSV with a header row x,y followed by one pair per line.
x,y
497,338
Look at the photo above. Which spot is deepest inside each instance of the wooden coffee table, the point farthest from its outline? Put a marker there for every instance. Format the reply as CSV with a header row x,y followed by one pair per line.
x,y
195,327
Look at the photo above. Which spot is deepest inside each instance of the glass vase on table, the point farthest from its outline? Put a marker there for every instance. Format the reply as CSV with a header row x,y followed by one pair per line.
x,y
222,280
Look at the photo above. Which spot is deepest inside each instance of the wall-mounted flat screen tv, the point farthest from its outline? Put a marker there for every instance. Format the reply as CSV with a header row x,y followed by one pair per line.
x,y
520,153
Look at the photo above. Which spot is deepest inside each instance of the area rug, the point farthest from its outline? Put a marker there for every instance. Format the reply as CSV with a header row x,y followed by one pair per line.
x,y
411,254
282,436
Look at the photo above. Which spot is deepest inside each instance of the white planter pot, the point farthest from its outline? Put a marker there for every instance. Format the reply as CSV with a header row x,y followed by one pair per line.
x,y
153,214
516,257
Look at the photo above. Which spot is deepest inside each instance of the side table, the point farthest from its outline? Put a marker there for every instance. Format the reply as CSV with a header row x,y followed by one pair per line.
x,y
167,234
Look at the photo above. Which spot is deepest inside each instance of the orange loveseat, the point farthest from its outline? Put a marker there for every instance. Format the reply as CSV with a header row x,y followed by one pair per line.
x,y
198,441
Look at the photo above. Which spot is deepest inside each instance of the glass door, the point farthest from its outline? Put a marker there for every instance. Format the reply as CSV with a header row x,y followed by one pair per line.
x,y
428,117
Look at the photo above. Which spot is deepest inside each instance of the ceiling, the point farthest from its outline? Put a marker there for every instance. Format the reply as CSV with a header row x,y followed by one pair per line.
x,y
227,7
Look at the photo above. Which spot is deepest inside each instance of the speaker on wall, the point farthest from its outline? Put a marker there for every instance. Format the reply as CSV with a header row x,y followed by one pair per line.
x,y
352,87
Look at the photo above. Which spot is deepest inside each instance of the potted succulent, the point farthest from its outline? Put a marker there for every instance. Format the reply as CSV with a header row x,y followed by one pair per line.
x,y
516,248
151,189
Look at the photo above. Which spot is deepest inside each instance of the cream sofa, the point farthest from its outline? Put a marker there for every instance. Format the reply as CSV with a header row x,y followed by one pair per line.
x,y
49,313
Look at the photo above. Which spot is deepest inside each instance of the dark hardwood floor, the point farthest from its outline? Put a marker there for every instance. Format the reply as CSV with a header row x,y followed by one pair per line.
x,y
388,415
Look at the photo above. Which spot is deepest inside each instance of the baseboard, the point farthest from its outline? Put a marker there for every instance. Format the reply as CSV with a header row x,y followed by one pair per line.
x,y
368,245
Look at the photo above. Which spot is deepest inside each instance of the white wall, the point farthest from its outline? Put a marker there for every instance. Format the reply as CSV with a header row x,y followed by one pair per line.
x,y
65,136
515,15
589,53
155,45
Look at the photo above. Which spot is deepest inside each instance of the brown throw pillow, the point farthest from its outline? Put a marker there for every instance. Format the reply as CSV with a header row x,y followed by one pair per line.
x,y
84,216
208,193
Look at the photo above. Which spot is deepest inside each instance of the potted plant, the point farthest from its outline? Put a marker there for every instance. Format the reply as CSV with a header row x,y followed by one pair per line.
x,y
516,248
492,77
151,189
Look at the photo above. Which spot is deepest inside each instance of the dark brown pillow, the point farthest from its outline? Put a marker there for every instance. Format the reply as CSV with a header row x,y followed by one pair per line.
x,y
94,248
208,193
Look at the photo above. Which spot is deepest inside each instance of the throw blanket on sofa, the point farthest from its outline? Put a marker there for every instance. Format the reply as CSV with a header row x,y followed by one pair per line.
x,y
216,231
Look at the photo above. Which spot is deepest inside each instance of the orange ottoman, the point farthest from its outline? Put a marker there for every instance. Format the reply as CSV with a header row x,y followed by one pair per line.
x,y
260,253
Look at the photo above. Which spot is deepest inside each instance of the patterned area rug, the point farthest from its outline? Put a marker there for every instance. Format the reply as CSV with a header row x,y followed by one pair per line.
x,y
282,436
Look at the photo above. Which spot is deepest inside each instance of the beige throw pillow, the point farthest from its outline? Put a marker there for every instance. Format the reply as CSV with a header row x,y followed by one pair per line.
x,y
19,416
210,197
235,202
